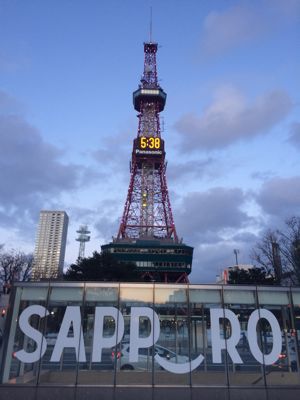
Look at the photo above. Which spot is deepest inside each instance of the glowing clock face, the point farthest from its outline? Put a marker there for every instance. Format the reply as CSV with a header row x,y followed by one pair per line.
x,y
149,142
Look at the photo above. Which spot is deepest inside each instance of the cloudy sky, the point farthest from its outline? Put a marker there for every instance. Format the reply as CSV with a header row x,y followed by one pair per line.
x,y
231,123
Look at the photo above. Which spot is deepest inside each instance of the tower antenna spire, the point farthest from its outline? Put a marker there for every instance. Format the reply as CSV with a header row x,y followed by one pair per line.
x,y
150,24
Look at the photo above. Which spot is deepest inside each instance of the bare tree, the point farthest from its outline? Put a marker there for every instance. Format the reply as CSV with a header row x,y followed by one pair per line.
x,y
279,252
290,247
262,252
14,266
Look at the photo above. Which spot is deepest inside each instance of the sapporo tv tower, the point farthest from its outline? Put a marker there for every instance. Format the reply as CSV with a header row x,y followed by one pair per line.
x,y
147,235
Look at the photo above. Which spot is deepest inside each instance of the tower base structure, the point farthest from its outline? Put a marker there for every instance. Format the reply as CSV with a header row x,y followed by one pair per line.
x,y
157,259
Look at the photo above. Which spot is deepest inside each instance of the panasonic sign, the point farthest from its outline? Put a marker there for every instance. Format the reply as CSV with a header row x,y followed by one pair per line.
x,y
72,318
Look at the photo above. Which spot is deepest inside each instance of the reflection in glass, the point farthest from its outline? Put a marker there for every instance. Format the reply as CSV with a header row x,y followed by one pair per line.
x,y
173,344
99,371
249,372
201,302
111,320
16,371
64,370
284,371
138,371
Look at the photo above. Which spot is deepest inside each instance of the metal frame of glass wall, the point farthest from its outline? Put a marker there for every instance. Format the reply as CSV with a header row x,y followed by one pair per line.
x,y
184,330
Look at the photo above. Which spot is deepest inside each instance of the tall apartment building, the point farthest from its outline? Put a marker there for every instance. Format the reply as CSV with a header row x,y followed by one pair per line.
x,y
50,245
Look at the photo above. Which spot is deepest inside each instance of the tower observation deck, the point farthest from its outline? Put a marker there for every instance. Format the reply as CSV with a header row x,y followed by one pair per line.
x,y
147,235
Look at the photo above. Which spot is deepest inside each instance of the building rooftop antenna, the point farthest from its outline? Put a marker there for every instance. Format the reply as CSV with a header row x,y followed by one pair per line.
x,y
83,237
150,33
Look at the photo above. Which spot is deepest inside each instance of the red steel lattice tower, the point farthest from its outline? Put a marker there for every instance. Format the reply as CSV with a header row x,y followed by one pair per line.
x,y
147,212
147,236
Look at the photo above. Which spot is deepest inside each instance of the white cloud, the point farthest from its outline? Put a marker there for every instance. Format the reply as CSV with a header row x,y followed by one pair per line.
x,y
206,216
285,9
245,22
230,118
294,137
263,175
8,104
280,197
227,29
32,173
192,168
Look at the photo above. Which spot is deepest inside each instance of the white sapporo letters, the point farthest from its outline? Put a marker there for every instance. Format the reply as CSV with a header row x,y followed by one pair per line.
x,y
35,335
100,342
230,343
137,342
72,319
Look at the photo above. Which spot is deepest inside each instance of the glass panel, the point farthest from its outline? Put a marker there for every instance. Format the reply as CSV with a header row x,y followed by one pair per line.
x,y
239,296
103,294
209,372
136,295
59,364
272,297
283,370
295,339
66,294
34,293
101,355
23,353
243,368
98,368
205,296
296,297
172,346
136,371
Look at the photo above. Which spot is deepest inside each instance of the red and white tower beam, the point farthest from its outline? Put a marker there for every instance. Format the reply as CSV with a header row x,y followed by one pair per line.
x,y
147,212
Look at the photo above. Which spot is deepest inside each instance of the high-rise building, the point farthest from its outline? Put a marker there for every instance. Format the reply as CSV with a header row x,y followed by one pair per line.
x,y
50,245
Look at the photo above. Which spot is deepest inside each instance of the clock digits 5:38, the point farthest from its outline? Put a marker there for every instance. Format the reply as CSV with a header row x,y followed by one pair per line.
x,y
149,142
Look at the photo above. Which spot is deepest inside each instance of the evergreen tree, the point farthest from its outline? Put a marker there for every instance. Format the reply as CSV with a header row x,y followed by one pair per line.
x,y
251,276
102,267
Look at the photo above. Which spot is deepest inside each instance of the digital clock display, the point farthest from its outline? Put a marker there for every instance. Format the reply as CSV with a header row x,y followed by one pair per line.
x,y
151,143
